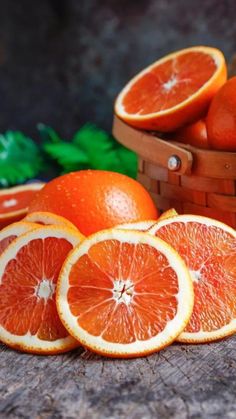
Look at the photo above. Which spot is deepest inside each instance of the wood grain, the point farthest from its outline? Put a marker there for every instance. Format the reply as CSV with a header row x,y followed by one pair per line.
x,y
151,147
180,382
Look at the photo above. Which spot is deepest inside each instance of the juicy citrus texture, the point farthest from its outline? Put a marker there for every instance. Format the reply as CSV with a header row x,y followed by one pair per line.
x,y
29,269
9,233
94,200
48,218
194,134
14,202
208,248
124,293
174,91
221,118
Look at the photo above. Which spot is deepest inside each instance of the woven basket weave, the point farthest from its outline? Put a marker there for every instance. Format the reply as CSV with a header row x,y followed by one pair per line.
x,y
189,179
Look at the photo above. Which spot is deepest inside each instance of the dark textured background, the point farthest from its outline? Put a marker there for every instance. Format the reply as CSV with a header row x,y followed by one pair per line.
x,y
62,62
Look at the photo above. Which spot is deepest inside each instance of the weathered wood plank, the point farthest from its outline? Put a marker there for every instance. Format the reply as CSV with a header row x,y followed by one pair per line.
x,y
180,382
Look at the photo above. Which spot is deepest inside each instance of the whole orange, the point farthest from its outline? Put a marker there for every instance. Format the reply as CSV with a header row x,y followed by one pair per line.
x,y
194,134
221,118
94,200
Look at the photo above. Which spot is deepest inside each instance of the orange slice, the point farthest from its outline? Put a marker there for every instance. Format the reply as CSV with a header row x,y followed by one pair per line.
x,y
139,226
167,214
124,293
174,91
29,270
146,225
48,218
208,248
14,202
11,232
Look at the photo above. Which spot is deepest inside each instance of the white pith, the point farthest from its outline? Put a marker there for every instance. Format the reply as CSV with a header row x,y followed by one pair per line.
x,y
10,203
123,291
201,336
195,275
45,289
170,83
32,342
214,53
16,229
173,327
140,225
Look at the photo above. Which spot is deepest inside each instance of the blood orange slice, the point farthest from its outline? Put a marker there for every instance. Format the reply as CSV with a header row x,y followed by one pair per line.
x,y
146,225
124,293
167,214
29,270
48,218
139,226
14,202
174,91
11,232
208,248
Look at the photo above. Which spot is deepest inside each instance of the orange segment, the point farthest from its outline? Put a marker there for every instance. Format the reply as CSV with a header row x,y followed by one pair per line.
x,y
29,269
208,248
14,202
124,293
173,91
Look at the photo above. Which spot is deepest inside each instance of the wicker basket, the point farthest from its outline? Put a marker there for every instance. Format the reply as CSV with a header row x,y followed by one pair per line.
x,y
189,179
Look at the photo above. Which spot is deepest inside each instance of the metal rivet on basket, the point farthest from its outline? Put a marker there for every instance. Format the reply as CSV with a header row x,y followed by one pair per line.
x,y
174,163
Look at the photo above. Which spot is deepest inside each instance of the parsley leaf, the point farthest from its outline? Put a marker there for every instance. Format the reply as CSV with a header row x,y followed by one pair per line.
x,y
20,158
90,147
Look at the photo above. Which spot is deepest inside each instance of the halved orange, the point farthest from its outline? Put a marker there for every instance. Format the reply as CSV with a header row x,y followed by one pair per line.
x,y
29,269
208,248
48,218
11,232
14,202
124,293
174,91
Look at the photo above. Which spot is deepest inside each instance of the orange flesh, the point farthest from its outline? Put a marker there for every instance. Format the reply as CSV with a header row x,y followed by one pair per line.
x,y
5,242
210,254
22,308
15,202
169,83
144,278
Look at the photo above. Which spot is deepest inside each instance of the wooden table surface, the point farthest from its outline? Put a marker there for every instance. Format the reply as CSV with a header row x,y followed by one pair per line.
x,y
179,382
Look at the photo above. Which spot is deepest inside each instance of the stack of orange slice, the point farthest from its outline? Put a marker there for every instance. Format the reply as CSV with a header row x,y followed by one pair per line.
x,y
120,292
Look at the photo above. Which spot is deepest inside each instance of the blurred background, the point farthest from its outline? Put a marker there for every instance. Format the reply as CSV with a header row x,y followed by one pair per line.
x,y
62,62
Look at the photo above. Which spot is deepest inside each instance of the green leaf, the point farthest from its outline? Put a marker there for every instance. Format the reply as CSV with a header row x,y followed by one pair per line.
x,y
20,158
68,155
90,147
128,161
104,152
48,134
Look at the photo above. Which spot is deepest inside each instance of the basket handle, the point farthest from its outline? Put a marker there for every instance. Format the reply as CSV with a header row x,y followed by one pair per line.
x,y
152,148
